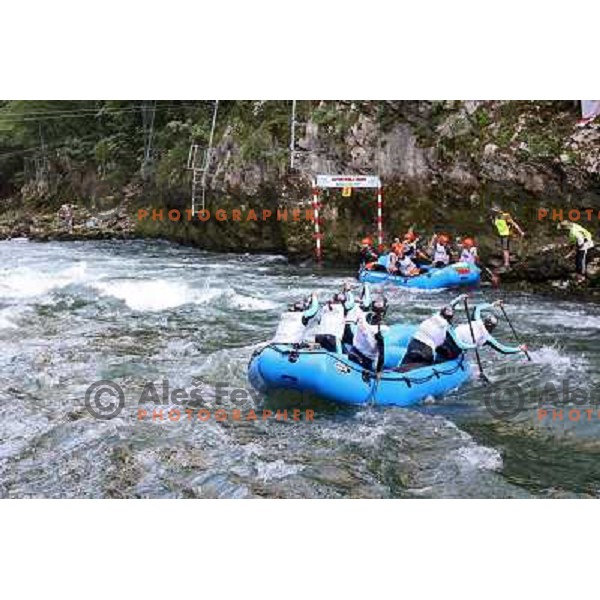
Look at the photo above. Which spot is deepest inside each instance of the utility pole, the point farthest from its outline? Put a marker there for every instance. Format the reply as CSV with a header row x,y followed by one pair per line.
x,y
148,114
208,155
293,135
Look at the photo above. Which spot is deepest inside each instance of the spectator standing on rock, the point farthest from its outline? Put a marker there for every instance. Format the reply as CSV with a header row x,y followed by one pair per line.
x,y
582,241
65,217
505,225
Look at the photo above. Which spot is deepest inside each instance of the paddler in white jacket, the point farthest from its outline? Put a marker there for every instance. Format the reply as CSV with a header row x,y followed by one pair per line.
x,y
430,337
367,347
293,323
482,330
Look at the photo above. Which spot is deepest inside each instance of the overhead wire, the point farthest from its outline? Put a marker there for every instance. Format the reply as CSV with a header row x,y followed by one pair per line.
x,y
80,112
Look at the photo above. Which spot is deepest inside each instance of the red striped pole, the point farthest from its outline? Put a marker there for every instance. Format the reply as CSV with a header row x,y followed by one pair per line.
x,y
316,220
379,216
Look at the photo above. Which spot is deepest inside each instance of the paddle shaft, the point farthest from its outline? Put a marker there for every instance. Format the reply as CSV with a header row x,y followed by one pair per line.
x,y
513,330
380,351
481,373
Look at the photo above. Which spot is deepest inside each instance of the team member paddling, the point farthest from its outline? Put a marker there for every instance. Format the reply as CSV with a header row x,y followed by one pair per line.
x,y
431,337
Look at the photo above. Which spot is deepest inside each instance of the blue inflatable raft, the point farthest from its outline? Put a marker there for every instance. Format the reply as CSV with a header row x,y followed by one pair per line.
x,y
334,377
454,275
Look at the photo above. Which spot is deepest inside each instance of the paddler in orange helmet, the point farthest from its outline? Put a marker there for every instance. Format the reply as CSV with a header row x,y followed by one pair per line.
x,y
440,250
410,247
469,251
368,254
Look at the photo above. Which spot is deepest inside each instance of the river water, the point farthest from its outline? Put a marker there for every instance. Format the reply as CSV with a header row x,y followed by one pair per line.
x,y
135,313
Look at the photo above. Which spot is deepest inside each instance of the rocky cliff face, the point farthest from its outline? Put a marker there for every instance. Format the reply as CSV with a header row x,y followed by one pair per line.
x,y
442,163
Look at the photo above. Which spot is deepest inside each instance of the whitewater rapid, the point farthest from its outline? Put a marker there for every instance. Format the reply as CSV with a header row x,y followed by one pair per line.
x,y
132,312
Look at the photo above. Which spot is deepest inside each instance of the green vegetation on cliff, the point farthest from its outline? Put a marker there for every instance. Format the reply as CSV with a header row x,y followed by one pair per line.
x,y
442,163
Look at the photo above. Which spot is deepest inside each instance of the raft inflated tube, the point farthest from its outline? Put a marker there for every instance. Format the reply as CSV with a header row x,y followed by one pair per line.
x,y
335,377
454,275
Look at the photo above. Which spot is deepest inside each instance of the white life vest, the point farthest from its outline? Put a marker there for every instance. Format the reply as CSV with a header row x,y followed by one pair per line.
x,y
332,321
406,264
290,329
432,331
353,314
392,262
410,249
463,333
364,340
440,254
469,255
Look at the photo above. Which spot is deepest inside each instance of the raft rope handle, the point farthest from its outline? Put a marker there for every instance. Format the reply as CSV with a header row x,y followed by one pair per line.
x,y
409,380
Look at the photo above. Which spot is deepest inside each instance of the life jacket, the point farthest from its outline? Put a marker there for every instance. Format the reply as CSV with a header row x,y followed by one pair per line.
x,y
407,266
432,331
290,329
410,249
501,223
392,263
352,315
440,254
396,248
332,321
469,255
576,230
481,334
365,341
293,324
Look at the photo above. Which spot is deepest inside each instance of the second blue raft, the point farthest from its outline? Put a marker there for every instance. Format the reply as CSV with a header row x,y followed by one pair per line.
x,y
454,275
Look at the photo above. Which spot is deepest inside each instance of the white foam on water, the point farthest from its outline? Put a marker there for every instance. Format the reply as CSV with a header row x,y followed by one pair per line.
x,y
154,294
278,469
14,240
268,258
579,321
478,457
5,322
249,302
563,318
31,283
10,316
551,355
365,434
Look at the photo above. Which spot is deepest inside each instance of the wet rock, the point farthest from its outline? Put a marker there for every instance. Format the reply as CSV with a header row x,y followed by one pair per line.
x,y
540,267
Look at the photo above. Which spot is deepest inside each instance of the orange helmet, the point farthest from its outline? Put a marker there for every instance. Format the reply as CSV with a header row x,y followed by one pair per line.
x,y
396,247
468,242
443,239
410,236
367,241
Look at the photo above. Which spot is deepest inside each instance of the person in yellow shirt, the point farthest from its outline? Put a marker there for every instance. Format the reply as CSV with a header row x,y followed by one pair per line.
x,y
506,226
582,241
